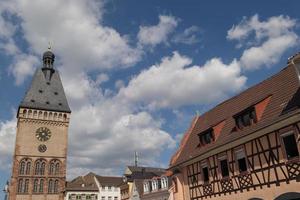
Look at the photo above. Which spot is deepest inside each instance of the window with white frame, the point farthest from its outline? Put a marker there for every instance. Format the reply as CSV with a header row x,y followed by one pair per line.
x,y
146,186
109,188
164,182
154,184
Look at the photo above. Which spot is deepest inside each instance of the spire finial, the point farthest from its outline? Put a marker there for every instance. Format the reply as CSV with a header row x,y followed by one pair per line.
x,y
49,46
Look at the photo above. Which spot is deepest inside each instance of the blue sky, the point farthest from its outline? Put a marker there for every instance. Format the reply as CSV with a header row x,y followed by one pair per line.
x,y
136,72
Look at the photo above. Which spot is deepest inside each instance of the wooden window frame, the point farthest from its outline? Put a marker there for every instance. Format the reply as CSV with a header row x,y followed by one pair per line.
x,y
291,130
236,150
220,158
203,165
239,115
205,132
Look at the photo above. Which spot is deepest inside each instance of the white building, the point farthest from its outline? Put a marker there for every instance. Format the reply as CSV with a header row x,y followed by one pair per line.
x,y
94,187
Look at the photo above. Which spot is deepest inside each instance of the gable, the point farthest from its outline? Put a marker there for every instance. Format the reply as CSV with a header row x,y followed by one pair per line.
x,y
270,99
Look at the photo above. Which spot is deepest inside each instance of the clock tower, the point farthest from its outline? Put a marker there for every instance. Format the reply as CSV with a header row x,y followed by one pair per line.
x,y
39,162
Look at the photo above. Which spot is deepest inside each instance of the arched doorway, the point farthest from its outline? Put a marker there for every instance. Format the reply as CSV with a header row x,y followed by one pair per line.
x,y
289,196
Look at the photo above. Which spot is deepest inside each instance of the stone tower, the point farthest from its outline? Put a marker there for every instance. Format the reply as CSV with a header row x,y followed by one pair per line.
x,y
39,162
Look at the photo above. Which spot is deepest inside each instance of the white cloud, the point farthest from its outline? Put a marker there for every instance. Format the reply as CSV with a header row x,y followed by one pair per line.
x,y
104,131
271,39
104,135
174,83
154,35
7,139
75,31
188,36
268,53
23,66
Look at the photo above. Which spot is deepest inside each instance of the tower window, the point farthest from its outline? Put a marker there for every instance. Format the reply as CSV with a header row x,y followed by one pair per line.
x,y
41,189
290,145
245,118
35,186
40,167
206,137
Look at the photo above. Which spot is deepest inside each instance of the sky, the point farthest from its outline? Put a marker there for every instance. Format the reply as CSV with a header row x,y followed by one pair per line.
x,y
137,72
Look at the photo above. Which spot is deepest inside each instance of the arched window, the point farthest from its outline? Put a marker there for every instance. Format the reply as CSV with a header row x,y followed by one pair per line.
x,y
28,167
54,116
56,186
56,169
50,116
22,167
24,113
35,185
45,115
20,186
50,186
51,170
37,167
25,166
59,117
34,114
26,186
29,114
65,117
40,167
40,115
41,189
42,170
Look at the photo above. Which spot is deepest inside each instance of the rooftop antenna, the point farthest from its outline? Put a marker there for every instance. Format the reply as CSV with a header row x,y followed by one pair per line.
x,y
136,158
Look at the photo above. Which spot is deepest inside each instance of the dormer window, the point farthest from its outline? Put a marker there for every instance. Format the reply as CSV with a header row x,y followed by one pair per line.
x,y
146,187
245,118
206,137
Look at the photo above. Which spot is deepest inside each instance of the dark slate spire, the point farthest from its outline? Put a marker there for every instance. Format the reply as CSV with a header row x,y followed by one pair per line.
x,y
46,91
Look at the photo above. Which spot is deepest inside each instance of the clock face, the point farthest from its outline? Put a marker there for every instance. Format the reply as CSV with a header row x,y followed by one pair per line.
x,y
43,134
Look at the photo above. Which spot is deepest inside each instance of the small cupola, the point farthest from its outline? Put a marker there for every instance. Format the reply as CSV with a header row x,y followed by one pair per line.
x,y
48,60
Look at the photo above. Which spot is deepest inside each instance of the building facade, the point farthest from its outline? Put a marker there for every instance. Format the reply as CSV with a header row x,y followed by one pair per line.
x,y
246,147
94,187
39,161
134,176
157,188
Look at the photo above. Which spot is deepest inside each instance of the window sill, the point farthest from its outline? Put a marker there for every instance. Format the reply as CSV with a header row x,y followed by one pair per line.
x,y
293,160
244,173
205,183
226,178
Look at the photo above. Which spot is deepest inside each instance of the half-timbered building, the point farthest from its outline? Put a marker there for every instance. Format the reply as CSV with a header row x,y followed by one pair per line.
x,y
247,147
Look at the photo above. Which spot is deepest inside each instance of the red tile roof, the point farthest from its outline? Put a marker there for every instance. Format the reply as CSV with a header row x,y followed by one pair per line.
x,y
278,96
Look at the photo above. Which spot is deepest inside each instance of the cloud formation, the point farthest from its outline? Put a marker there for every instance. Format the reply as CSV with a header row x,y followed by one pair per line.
x,y
156,34
174,83
271,39
188,36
